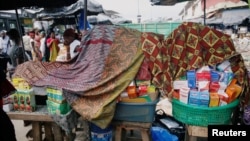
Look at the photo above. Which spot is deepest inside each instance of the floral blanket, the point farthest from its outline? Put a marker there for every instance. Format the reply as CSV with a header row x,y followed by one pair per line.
x,y
112,56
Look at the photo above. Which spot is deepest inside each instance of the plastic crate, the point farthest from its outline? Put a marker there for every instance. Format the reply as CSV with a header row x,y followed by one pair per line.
x,y
135,112
203,116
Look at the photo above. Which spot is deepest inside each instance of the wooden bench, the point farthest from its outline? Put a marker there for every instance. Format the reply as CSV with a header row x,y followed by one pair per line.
x,y
53,132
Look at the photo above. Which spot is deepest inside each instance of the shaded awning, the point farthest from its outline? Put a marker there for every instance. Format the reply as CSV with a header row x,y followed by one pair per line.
x,y
93,8
105,19
16,4
226,17
235,16
166,2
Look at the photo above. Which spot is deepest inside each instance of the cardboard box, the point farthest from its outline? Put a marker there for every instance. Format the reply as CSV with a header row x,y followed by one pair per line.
x,y
194,97
20,83
203,85
215,76
204,98
26,100
214,100
177,84
203,76
191,79
58,108
184,94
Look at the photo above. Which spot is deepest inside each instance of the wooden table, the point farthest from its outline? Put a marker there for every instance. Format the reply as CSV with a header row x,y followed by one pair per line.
x,y
193,132
37,118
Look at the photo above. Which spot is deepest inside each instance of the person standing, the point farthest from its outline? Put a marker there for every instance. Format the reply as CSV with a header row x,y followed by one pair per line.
x,y
15,43
71,41
42,45
36,53
52,43
26,43
4,43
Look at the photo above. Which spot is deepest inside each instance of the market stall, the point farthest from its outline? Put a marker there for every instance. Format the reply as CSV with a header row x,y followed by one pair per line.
x,y
112,56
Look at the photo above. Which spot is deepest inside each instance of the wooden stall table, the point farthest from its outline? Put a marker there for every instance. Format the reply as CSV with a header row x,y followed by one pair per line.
x,y
193,132
37,118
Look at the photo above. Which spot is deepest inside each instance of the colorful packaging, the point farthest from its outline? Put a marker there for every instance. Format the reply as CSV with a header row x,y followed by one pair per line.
x,y
214,100
191,79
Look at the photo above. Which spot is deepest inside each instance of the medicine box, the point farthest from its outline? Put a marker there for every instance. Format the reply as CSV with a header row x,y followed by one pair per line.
x,y
191,78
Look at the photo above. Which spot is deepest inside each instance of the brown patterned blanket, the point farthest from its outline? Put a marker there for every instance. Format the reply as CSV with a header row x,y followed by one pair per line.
x,y
111,58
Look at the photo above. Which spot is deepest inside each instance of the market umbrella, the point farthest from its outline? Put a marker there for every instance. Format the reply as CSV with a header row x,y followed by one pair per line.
x,y
167,2
93,8
16,4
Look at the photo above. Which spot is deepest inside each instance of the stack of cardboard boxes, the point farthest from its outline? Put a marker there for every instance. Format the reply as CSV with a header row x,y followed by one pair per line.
x,y
56,103
24,98
209,86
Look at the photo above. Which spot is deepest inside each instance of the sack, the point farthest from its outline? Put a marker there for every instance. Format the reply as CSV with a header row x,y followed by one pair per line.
x,y
169,123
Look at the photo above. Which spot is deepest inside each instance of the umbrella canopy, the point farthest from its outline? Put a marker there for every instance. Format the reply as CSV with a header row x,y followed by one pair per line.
x,y
93,8
16,4
166,2
105,19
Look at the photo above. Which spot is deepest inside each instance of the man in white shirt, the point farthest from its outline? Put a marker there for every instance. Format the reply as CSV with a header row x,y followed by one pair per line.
x,y
42,44
4,42
71,41
26,43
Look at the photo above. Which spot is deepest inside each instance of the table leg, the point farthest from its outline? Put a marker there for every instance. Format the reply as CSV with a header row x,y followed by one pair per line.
x,y
37,133
145,135
118,133
58,136
48,131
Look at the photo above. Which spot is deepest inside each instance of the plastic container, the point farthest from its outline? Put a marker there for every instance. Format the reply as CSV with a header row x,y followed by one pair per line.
x,y
136,112
203,116
99,134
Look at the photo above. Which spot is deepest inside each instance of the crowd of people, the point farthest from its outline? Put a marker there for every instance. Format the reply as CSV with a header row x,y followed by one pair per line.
x,y
38,45
35,45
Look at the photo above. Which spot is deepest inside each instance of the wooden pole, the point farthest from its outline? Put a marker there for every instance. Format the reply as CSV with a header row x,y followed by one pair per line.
x,y
20,32
85,14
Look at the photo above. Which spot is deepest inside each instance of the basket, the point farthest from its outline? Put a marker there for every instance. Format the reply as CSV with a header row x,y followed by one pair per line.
x,y
203,116
136,112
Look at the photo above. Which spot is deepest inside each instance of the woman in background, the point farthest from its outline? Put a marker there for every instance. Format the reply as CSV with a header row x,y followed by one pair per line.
x,y
52,43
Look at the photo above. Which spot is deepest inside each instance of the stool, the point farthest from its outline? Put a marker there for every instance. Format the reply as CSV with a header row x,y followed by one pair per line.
x,y
122,126
193,132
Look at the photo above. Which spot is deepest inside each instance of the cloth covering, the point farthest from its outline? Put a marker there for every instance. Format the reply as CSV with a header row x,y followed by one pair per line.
x,y
191,46
111,58
108,62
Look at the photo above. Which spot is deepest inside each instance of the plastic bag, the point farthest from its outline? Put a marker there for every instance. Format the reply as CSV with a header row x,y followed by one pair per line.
x,y
161,134
170,124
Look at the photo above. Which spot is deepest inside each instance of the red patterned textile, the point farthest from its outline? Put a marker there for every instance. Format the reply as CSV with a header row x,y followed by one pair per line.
x,y
108,62
191,46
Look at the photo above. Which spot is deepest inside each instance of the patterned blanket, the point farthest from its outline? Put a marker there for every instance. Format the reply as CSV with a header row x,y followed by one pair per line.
x,y
109,61
191,46
111,58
